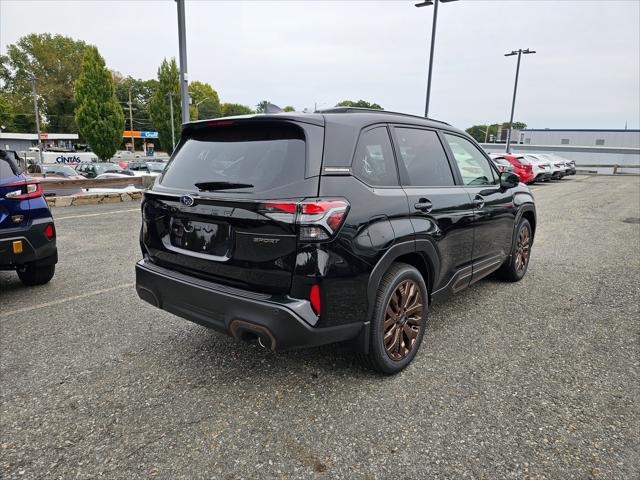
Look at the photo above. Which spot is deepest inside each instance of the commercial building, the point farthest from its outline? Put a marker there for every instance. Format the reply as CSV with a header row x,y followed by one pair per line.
x,y
580,137
24,141
585,147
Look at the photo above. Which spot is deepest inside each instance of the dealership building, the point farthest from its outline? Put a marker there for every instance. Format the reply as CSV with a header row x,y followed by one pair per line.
x,y
24,141
580,137
596,150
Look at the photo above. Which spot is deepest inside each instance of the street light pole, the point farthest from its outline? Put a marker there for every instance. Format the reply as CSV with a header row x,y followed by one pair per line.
x,y
435,3
37,113
173,128
197,104
519,53
184,77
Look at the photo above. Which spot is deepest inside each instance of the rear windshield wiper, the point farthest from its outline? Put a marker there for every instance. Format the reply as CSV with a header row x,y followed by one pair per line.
x,y
211,186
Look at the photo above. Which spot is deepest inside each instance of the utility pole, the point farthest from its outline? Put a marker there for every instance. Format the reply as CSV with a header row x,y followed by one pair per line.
x,y
173,135
428,3
133,141
519,53
184,77
35,108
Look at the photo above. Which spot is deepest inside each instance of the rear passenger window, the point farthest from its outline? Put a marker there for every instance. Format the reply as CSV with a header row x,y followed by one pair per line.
x,y
374,163
6,170
424,158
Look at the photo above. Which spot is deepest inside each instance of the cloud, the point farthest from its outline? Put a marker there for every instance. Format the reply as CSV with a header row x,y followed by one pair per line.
x,y
586,73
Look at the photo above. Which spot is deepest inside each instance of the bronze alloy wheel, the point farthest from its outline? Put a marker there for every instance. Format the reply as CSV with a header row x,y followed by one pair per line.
x,y
523,248
403,320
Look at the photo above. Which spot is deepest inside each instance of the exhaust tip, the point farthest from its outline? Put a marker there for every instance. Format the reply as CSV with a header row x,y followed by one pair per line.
x,y
250,332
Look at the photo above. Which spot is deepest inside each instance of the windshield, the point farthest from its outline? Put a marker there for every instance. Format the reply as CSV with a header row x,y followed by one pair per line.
x,y
265,156
108,168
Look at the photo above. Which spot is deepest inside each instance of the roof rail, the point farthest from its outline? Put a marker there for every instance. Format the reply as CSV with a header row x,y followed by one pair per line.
x,y
373,110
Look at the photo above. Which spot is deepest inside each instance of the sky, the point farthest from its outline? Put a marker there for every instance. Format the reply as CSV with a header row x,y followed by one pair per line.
x,y
585,74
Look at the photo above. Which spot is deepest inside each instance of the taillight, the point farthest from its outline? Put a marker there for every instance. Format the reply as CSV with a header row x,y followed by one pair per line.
x,y
528,168
49,231
314,298
319,219
24,190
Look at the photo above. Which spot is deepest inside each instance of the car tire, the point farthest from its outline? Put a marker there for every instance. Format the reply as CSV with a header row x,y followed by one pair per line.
x,y
400,316
30,275
515,267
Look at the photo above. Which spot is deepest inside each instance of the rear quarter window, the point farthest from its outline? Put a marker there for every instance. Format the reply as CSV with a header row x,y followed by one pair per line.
x,y
7,170
374,162
266,156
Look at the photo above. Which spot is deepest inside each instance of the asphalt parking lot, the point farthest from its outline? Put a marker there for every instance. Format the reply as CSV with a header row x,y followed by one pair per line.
x,y
537,379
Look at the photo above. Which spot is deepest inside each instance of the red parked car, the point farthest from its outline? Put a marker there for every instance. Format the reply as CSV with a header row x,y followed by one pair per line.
x,y
521,166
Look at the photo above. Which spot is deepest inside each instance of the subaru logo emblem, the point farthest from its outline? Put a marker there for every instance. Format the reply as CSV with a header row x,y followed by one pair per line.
x,y
187,200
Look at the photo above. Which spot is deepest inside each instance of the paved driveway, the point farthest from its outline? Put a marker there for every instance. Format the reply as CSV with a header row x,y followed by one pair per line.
x,y
536,379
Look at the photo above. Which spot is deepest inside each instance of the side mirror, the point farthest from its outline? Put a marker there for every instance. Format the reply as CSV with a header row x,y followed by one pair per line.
x,y
509,180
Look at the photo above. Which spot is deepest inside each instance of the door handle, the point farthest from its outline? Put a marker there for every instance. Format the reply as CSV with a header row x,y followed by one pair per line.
x,y
423,205
478,202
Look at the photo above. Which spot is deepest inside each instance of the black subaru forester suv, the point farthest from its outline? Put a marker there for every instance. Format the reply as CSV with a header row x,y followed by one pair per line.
x,y
343,225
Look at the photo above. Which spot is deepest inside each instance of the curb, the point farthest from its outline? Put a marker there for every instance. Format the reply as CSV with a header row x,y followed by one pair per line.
x,y
93,199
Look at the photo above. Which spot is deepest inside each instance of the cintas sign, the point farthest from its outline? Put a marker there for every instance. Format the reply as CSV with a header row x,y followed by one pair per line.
x,y
68,158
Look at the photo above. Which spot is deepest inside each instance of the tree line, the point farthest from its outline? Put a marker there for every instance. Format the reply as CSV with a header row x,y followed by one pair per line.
x,y
484,133
77,93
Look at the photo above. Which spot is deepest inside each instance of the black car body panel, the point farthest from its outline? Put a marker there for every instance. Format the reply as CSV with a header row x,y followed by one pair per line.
x,y
454,234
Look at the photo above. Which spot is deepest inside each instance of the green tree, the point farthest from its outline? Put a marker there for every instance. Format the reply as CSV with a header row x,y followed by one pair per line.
x,y
55,61
98,114
168,82
205,102
516,125
288,108
359,104
7,114
141,91
232,109
479,132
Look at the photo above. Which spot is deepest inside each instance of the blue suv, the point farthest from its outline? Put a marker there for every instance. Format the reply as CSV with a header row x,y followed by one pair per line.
x,y
27,232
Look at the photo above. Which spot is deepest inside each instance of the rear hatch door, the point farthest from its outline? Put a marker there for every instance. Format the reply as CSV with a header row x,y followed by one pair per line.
x,y
224,209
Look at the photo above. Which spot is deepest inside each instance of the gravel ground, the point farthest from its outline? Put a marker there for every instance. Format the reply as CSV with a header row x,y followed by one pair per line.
x,y
537,379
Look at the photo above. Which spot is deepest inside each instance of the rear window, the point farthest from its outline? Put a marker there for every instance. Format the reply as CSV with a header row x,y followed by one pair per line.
x,y
263,155
502,161
6,169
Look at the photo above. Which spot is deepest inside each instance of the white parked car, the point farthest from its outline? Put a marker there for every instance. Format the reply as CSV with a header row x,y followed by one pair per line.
x,y
558,164
570,165
541,168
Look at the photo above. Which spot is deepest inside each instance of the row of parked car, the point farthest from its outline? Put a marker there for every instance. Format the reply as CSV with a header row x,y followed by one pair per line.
x,y
97,170
539,167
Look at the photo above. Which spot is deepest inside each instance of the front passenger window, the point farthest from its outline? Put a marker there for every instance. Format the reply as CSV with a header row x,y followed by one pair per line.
x,y
374,163
473,165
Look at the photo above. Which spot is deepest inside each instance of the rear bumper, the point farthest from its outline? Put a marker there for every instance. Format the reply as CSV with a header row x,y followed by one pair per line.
x,y
36,248
281,322
541,176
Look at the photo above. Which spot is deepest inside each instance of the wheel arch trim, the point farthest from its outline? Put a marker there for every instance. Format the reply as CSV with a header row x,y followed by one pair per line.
x,y
422,247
